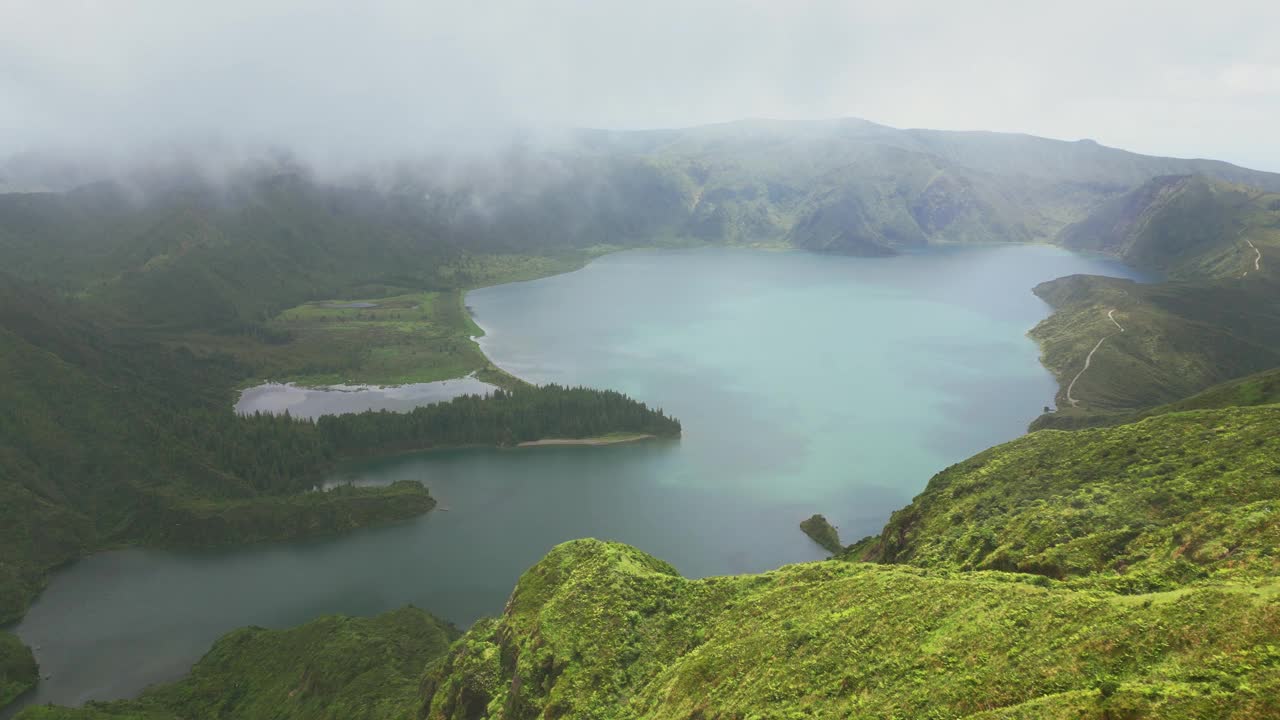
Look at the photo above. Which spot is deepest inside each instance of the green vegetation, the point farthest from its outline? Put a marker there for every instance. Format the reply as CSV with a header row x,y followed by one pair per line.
x,y
386,339
1190,227
18,671
1119,572
1213,322
106,440
821,532
505,418
1144,507
1179,339
600,630
210,523
1259,389
333,667
415,337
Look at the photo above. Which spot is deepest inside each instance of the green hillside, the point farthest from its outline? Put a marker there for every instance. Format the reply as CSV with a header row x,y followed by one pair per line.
x,y
1260,389
1120,572
1153,593
603,631
1141,507
336,668
1212,320
106,440
1125,571
18,670
1190,227
1178,339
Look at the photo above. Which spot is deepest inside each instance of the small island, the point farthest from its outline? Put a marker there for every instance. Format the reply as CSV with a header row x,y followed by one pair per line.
x,y
822,532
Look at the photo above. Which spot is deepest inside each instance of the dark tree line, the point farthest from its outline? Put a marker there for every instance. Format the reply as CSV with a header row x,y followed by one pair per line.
x,y
503,418
272,454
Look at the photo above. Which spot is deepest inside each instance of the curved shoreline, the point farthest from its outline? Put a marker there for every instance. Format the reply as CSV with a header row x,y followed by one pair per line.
x,y
552,442
593,441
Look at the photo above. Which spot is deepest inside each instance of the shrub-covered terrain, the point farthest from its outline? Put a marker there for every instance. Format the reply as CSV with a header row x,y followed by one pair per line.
x,y
106,439
599,630
1212,319
1143,507
1121,572
1179,339
1125,572
822,532
335,668
18,670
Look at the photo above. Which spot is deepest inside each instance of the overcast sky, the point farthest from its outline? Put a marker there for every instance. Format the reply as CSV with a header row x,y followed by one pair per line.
x,y
1177,78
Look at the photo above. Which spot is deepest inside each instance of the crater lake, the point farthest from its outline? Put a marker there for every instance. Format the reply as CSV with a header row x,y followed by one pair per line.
x,y
805,383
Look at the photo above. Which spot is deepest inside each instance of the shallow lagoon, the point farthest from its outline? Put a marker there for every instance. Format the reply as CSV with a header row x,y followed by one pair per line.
x,y
805,383
307,402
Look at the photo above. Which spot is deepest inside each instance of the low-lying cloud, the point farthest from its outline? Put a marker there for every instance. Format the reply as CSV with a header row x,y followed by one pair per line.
x,y
347,81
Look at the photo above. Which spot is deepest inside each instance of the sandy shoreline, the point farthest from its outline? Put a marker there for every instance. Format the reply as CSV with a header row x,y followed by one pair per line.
x,y
585,441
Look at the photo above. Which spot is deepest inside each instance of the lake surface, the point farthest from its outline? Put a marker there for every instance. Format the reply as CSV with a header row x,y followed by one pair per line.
x,y
304,402
805,383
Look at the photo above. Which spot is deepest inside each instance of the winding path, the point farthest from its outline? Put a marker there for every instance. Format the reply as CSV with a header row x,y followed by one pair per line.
x,y
1257,261
1088,360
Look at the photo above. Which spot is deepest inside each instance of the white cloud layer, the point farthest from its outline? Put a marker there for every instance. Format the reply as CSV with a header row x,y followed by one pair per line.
x,y
1172,77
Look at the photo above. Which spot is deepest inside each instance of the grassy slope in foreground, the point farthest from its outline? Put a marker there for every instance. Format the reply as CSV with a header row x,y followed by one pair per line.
x,y
1258,389
1187,504
18,671
335,667
1136,508
601,630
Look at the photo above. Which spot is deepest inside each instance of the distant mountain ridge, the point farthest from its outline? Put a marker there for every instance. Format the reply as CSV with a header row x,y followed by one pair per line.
x,y
841,185
1188,225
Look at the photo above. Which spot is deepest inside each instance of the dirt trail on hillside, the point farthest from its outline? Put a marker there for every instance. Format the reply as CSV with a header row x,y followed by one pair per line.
x,y
1257,261
1088,360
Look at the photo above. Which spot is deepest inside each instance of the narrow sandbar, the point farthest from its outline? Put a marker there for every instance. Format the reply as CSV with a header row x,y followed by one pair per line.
x,y
606,440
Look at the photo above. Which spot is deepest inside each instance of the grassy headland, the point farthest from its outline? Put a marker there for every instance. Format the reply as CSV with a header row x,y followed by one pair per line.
x,y
1179,338
1213,321
395,337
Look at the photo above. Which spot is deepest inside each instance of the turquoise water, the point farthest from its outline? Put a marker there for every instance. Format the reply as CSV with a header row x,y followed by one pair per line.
x,y
805,384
